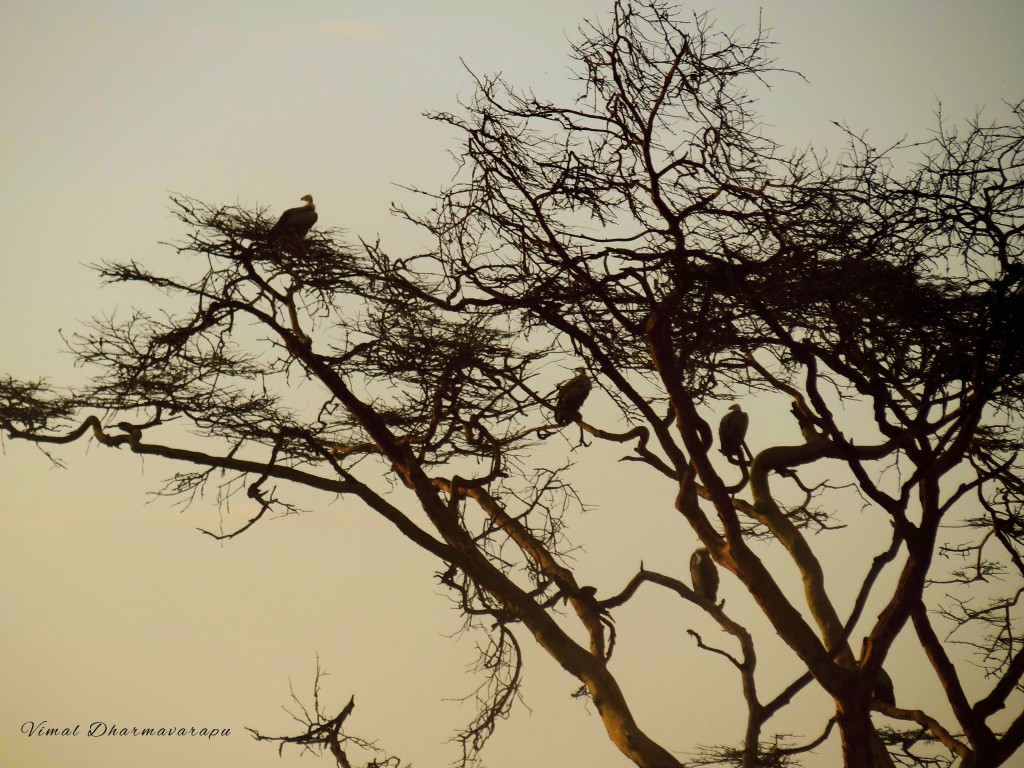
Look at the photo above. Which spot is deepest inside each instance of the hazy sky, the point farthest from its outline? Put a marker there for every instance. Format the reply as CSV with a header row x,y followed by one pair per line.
x,y
114,608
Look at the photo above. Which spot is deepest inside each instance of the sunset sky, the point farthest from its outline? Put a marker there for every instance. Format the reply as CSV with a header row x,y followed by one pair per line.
x,y
114,607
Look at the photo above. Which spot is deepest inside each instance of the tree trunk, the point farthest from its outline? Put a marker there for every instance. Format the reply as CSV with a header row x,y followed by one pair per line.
x,y
861,744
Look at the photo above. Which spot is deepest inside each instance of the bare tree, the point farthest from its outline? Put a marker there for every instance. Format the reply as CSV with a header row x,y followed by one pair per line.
x,y
652,231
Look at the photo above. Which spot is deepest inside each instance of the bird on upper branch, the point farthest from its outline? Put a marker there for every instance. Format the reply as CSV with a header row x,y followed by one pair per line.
x,y
732,431
295,222
571,395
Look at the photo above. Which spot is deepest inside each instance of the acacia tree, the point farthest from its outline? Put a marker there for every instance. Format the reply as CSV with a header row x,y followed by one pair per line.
x,y
653,232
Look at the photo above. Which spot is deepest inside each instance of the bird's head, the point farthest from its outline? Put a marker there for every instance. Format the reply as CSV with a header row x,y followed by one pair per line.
x,y
581,369
308,199
735,407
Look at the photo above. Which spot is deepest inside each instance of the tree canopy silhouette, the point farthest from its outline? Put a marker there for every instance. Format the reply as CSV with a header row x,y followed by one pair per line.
x,y
653,232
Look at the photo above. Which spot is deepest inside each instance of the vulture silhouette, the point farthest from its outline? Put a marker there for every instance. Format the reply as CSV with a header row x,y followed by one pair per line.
x,y
295,222
884,690
704,575
571,395
732,431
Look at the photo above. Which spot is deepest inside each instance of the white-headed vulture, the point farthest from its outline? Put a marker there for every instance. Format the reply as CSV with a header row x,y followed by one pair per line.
x,y
295,222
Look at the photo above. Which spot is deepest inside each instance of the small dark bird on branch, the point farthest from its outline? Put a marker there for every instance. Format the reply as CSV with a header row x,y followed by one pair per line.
x,y
295,222
571,395
732,431
704,575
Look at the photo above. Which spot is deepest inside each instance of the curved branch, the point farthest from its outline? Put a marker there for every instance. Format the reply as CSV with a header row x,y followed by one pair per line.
x,y
349,485
642,435
926,721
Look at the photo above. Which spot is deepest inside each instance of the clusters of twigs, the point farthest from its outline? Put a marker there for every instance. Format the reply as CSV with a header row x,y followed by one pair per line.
x,y
326,733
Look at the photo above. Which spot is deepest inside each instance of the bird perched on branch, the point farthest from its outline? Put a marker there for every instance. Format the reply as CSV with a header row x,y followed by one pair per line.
x,y
295,222
571,395
732,431
884,690
704,575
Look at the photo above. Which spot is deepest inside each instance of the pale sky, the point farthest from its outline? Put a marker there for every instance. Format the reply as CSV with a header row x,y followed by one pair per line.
x,y
114,608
